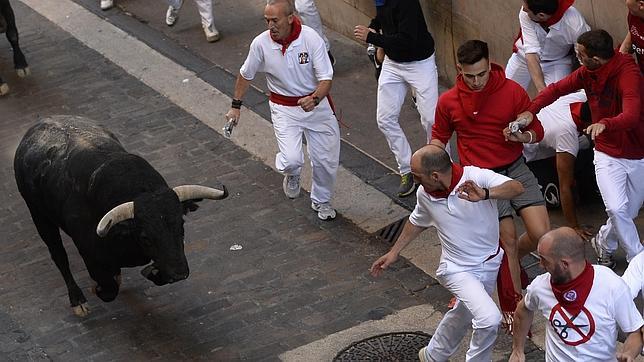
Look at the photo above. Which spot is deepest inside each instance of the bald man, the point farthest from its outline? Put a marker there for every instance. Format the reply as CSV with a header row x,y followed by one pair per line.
x,y
452,199
583,303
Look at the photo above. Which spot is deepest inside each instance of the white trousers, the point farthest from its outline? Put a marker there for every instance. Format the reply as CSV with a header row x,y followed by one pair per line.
x,y
394,80
474,307
621,184
205,11
320,127
517,70
311,17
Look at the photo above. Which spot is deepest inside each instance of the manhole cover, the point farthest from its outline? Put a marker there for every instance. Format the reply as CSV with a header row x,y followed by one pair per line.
x,y
386,347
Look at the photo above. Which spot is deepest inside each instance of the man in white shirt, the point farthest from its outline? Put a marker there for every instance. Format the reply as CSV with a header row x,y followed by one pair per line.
x,y
584,305
298,75
452,199
562,122
543,52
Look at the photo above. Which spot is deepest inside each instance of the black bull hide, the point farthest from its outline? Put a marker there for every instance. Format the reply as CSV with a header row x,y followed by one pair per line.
x,y
8,26
75,176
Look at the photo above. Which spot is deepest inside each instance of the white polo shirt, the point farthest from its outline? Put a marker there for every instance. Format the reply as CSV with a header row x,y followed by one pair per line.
x,y
592,335
295,73
559,129
554,45
468,231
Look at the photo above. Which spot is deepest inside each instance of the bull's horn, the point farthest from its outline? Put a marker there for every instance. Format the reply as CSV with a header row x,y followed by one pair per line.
x,y
120,213
191,192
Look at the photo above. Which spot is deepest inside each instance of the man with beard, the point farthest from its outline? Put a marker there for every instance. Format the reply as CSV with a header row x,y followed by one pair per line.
x,y
614,88
584,305
452,199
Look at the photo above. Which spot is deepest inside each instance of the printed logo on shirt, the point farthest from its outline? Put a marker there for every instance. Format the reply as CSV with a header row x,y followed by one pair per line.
x,y
303,58
572,330
570,296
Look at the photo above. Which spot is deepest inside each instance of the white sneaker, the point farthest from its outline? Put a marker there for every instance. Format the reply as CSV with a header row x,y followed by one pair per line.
x,y
421,355
212,34
604,257
171,15
106,4
324,209
291,186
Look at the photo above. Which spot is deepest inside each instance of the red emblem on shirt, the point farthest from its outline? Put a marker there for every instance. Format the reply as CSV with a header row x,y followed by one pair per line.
x,y
572,330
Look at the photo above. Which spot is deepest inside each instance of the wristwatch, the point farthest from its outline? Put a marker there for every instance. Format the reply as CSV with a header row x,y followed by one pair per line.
x,y
316,99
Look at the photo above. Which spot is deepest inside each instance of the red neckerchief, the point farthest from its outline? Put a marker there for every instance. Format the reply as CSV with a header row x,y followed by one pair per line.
x,y
296,29
471,100
573,295
457,173
554,19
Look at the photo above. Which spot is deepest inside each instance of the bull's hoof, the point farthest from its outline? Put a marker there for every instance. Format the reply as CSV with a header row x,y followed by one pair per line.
x,y
81,310
4,89
23,72
103,294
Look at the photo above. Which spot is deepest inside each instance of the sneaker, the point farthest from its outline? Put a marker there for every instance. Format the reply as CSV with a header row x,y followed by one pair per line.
x,y
4,89
171,15
324,209
106,4
331,57
406,185
212,34
291,186
421,355
604,257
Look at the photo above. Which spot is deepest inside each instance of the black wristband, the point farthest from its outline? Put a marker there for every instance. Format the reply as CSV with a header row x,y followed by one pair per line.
x,y
316,99
237,103
487,193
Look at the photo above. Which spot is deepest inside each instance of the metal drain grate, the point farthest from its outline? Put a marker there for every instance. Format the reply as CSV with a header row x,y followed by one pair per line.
x,y
390,232
401,346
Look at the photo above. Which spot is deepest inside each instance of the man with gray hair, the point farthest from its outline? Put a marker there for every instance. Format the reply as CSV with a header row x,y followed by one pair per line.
x,y
298,75
584,305
452,198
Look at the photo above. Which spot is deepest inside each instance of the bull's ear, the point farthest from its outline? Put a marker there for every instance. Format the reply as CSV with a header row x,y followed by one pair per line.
x,y
190,205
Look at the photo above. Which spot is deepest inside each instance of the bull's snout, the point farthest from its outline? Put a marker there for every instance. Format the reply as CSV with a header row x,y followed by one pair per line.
x,y
162,276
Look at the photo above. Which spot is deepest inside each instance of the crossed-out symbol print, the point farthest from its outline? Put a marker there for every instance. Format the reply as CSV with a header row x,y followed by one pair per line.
x,y
569,332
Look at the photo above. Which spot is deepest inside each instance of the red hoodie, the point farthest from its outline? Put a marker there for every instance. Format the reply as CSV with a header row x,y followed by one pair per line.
x,y
614,92
479,119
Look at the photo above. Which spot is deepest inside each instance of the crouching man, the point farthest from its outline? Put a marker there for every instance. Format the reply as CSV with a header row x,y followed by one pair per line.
x,y
453,199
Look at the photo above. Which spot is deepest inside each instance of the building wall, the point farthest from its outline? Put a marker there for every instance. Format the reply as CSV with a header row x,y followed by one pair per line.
x,y
454,21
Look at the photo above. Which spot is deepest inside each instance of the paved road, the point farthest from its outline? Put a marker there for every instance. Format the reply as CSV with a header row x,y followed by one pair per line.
x,y
296,280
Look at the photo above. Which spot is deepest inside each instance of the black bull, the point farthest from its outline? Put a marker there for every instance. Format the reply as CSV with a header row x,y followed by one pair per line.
x,y
8,26
75,175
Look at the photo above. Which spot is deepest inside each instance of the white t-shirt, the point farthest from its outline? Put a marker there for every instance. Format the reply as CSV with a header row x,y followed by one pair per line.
x,y
560,130
634,275
297,72
592,335
468,231
556,44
